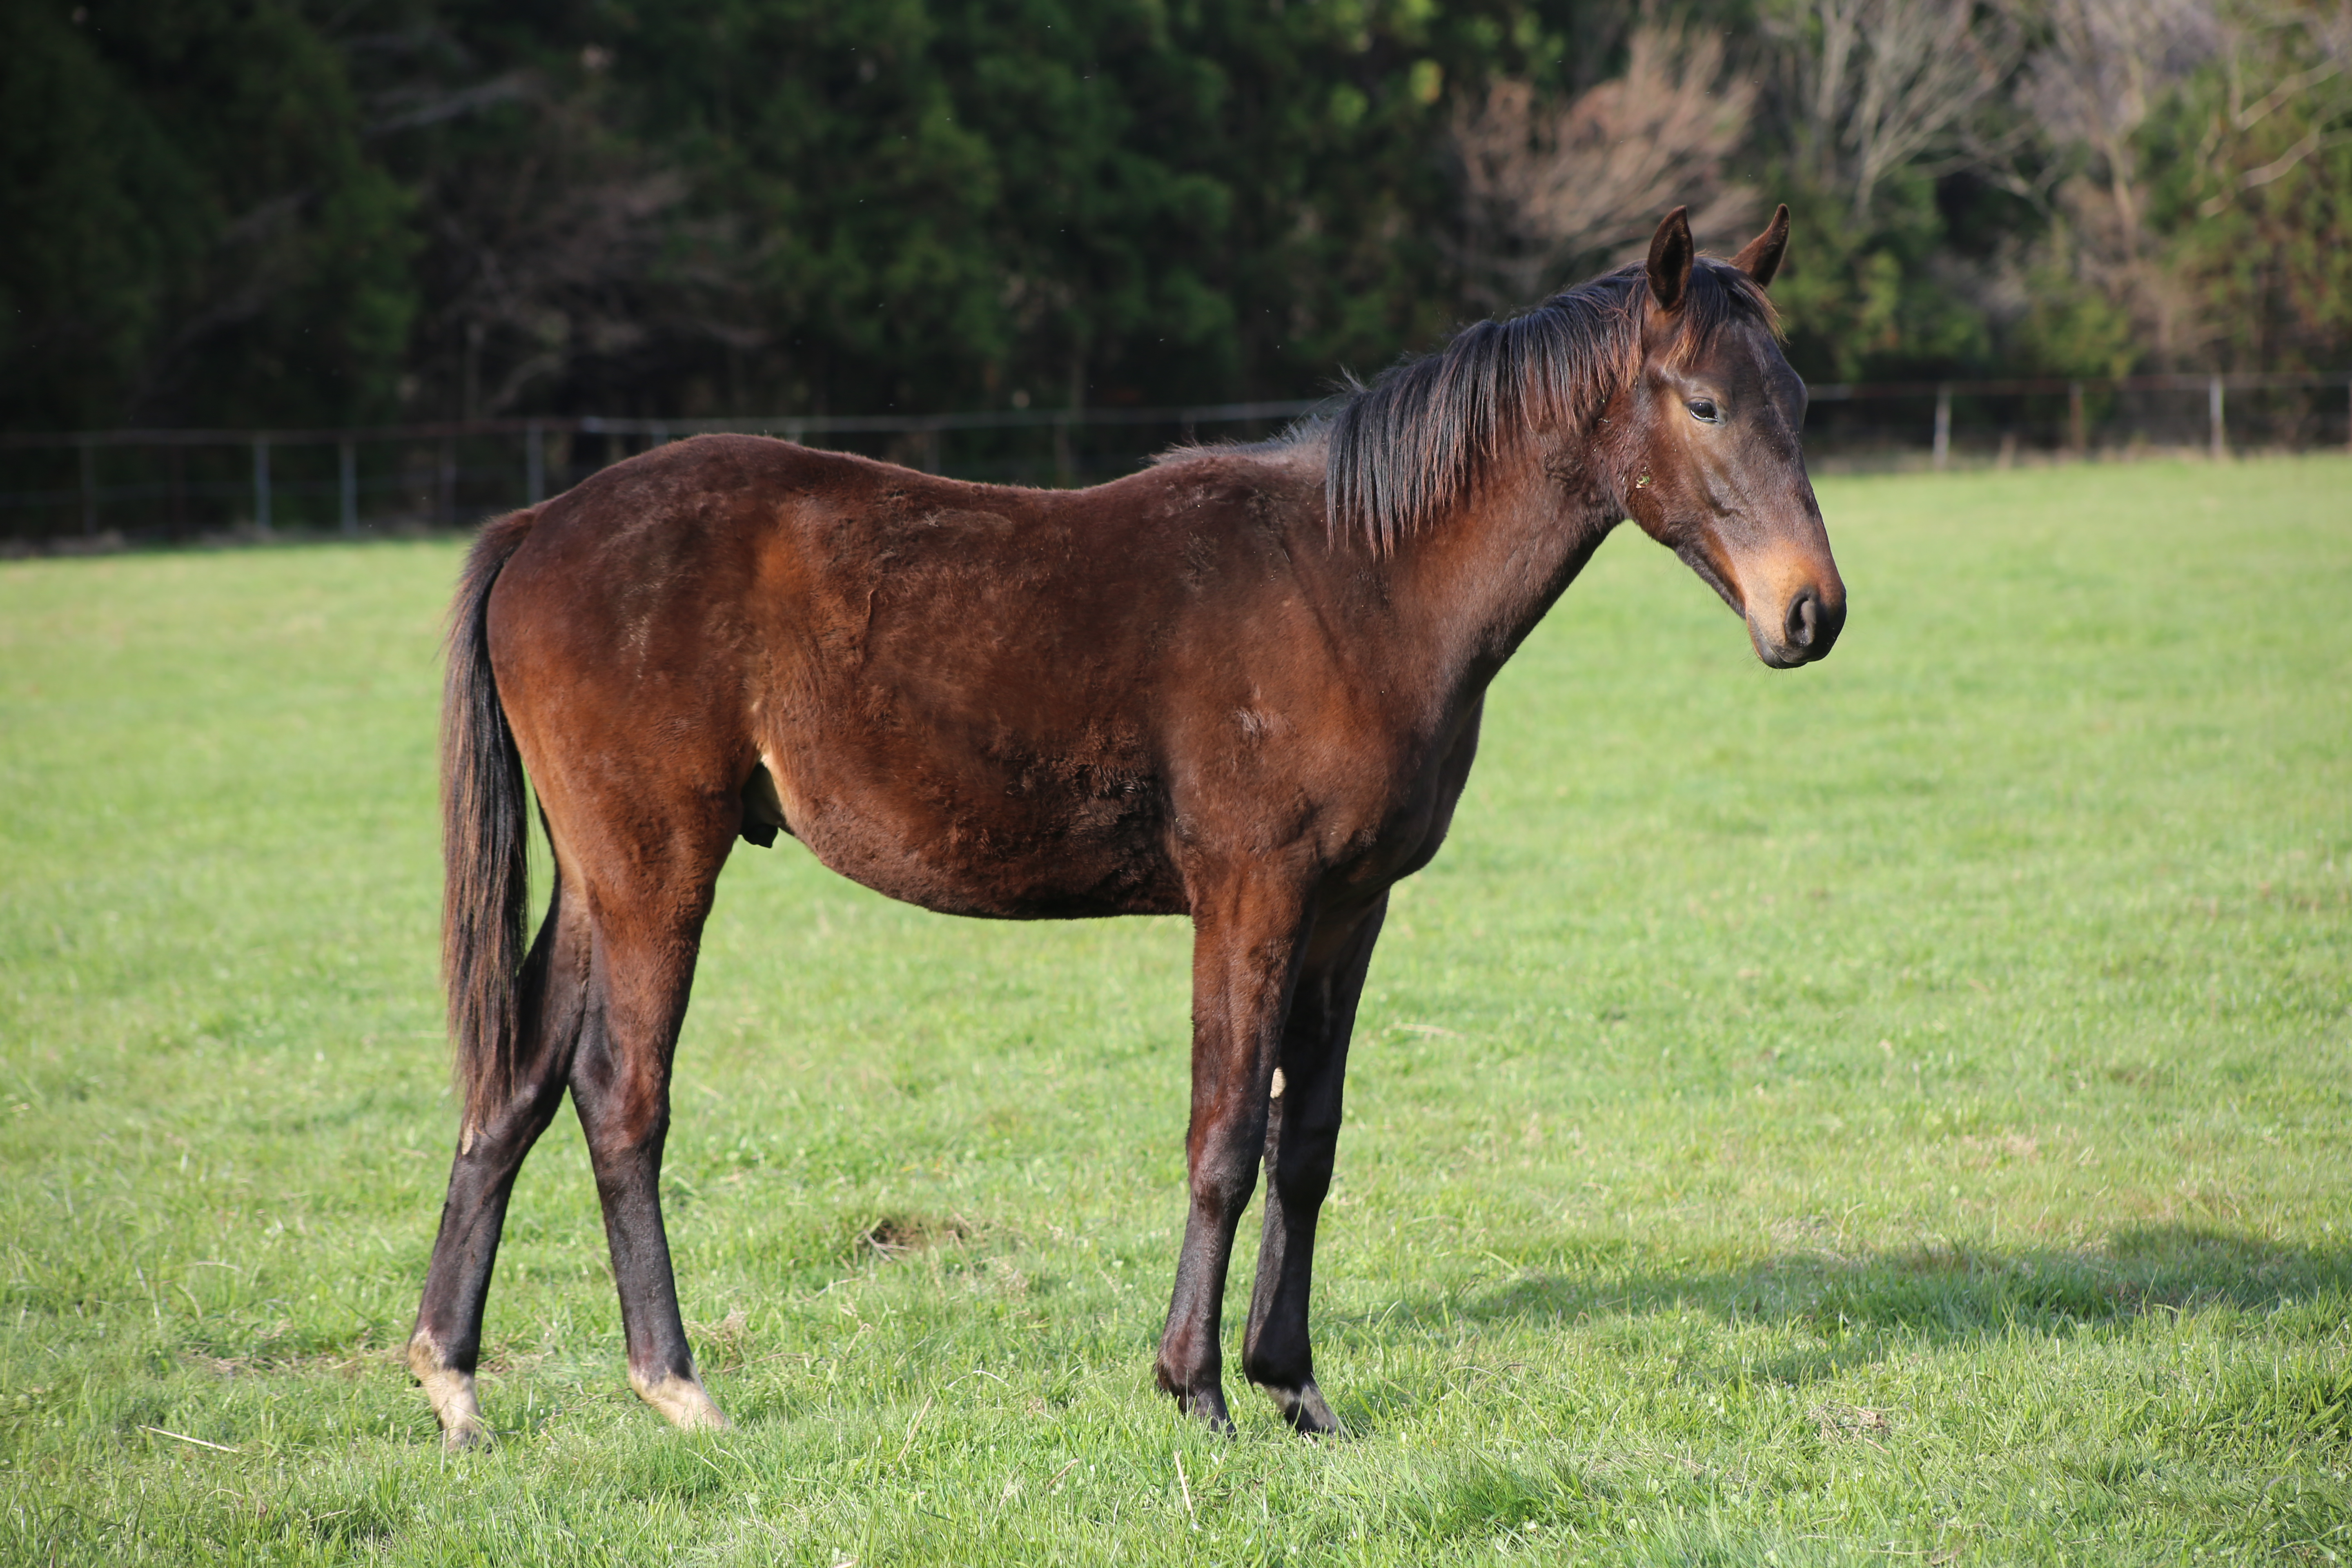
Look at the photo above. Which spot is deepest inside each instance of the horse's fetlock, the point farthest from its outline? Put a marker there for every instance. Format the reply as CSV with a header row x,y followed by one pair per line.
x,y
1279,1367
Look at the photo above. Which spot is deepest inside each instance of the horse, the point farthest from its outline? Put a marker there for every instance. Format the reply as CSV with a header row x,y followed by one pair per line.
x,y
1241,684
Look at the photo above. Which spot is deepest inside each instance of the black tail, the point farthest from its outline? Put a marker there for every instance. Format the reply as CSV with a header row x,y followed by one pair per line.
x,y
485,844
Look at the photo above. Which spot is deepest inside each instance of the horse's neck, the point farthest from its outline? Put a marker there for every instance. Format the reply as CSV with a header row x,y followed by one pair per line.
x,y
1479,581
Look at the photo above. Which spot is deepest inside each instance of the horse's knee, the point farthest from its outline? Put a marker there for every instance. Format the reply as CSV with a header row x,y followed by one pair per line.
x,y
1222,1190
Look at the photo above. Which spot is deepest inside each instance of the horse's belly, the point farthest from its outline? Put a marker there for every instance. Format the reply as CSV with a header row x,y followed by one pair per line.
x,y
999,870
946,800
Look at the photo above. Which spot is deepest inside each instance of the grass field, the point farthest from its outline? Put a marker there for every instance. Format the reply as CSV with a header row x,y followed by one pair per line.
x,y
1889,1113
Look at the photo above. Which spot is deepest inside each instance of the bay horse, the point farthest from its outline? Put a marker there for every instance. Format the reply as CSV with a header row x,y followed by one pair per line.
x,y
1243,684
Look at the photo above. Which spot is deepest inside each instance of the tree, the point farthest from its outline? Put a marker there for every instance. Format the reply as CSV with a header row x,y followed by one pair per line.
x,y
1549,190
195,230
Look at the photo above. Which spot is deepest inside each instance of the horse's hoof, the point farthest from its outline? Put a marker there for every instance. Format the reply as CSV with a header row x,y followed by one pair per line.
x,y
684,1400
466,1434
455,1404
1207,1406
1304,1409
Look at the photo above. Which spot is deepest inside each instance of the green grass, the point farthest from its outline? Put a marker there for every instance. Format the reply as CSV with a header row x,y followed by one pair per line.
x,y
1895,1112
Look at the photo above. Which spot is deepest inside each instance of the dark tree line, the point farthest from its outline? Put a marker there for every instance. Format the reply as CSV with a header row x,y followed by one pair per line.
x,y
225,212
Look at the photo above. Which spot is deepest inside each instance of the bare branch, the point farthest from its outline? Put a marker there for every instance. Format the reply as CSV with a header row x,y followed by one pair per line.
x,y
1548,187
1880,83
1924,67
413,107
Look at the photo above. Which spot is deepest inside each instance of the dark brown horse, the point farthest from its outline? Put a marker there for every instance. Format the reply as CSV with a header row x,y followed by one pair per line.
x,y
1243,685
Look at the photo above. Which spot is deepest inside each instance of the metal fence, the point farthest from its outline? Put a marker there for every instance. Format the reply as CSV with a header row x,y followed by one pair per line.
x,y
1937,424
99,488
66,490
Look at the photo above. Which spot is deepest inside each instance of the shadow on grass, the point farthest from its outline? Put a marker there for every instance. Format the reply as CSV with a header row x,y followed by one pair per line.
x,y
1944,1292
1856,1310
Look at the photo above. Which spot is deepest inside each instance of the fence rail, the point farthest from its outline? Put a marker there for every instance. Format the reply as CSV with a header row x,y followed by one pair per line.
x,y
2216,388
454,471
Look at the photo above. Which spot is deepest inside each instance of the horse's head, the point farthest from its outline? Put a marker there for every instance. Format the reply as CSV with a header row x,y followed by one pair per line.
x,y
1714,437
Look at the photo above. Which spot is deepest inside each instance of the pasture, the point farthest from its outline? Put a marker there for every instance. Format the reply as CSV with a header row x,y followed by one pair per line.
x,y
1894,1112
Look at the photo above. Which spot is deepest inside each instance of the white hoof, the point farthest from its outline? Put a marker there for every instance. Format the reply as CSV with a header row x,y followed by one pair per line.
x,y
455,1401
683,1400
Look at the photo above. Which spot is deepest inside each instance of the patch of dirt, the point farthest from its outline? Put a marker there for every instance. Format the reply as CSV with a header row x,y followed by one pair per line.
x,y
1812,1237
1983,1152
349,1363
1856,1421
893,1237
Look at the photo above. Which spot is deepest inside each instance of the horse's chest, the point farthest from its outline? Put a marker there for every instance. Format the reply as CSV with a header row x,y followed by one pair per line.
x,y
1414,817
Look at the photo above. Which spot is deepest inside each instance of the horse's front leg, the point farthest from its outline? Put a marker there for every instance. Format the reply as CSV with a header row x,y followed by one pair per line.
x,y
1248,935
1301,1136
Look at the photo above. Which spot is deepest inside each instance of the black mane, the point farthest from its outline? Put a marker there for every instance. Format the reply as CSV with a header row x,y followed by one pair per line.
x,y
1409,447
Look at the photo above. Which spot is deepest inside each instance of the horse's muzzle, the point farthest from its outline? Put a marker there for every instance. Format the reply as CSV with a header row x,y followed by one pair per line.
x,y
1808,630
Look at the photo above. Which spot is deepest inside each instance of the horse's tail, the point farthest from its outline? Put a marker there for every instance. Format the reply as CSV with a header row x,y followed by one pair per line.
x,y
485,844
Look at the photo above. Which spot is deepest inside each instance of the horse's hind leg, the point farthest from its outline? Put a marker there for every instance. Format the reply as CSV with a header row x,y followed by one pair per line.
x,y
1302,1135
445,1346
651,899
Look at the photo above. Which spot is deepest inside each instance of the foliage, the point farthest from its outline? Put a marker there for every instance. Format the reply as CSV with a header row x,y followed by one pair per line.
x,y
296,213
2195,178
2261,199
1890,1108
194,224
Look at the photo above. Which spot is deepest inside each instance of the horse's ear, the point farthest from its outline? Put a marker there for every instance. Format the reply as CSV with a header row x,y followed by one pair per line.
x,y
1670,259
1761,257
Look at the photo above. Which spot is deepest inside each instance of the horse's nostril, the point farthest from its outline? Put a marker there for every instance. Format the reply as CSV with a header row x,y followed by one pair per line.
x,y
1804,617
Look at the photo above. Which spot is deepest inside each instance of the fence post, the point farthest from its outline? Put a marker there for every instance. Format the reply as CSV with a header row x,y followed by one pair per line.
x,y
89,489
347,476
2213,418
2075,433
1943,426
446,502
261,483
534,465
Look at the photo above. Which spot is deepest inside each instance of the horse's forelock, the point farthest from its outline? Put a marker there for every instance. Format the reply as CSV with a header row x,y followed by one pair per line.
x,y
1720,297
1407,447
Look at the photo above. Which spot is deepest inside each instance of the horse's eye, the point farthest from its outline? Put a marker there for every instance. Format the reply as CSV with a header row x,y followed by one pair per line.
x,y
1703,410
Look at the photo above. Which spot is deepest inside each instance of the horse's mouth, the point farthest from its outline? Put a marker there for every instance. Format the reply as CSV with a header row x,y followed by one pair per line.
x,y
1694,556
1810,620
